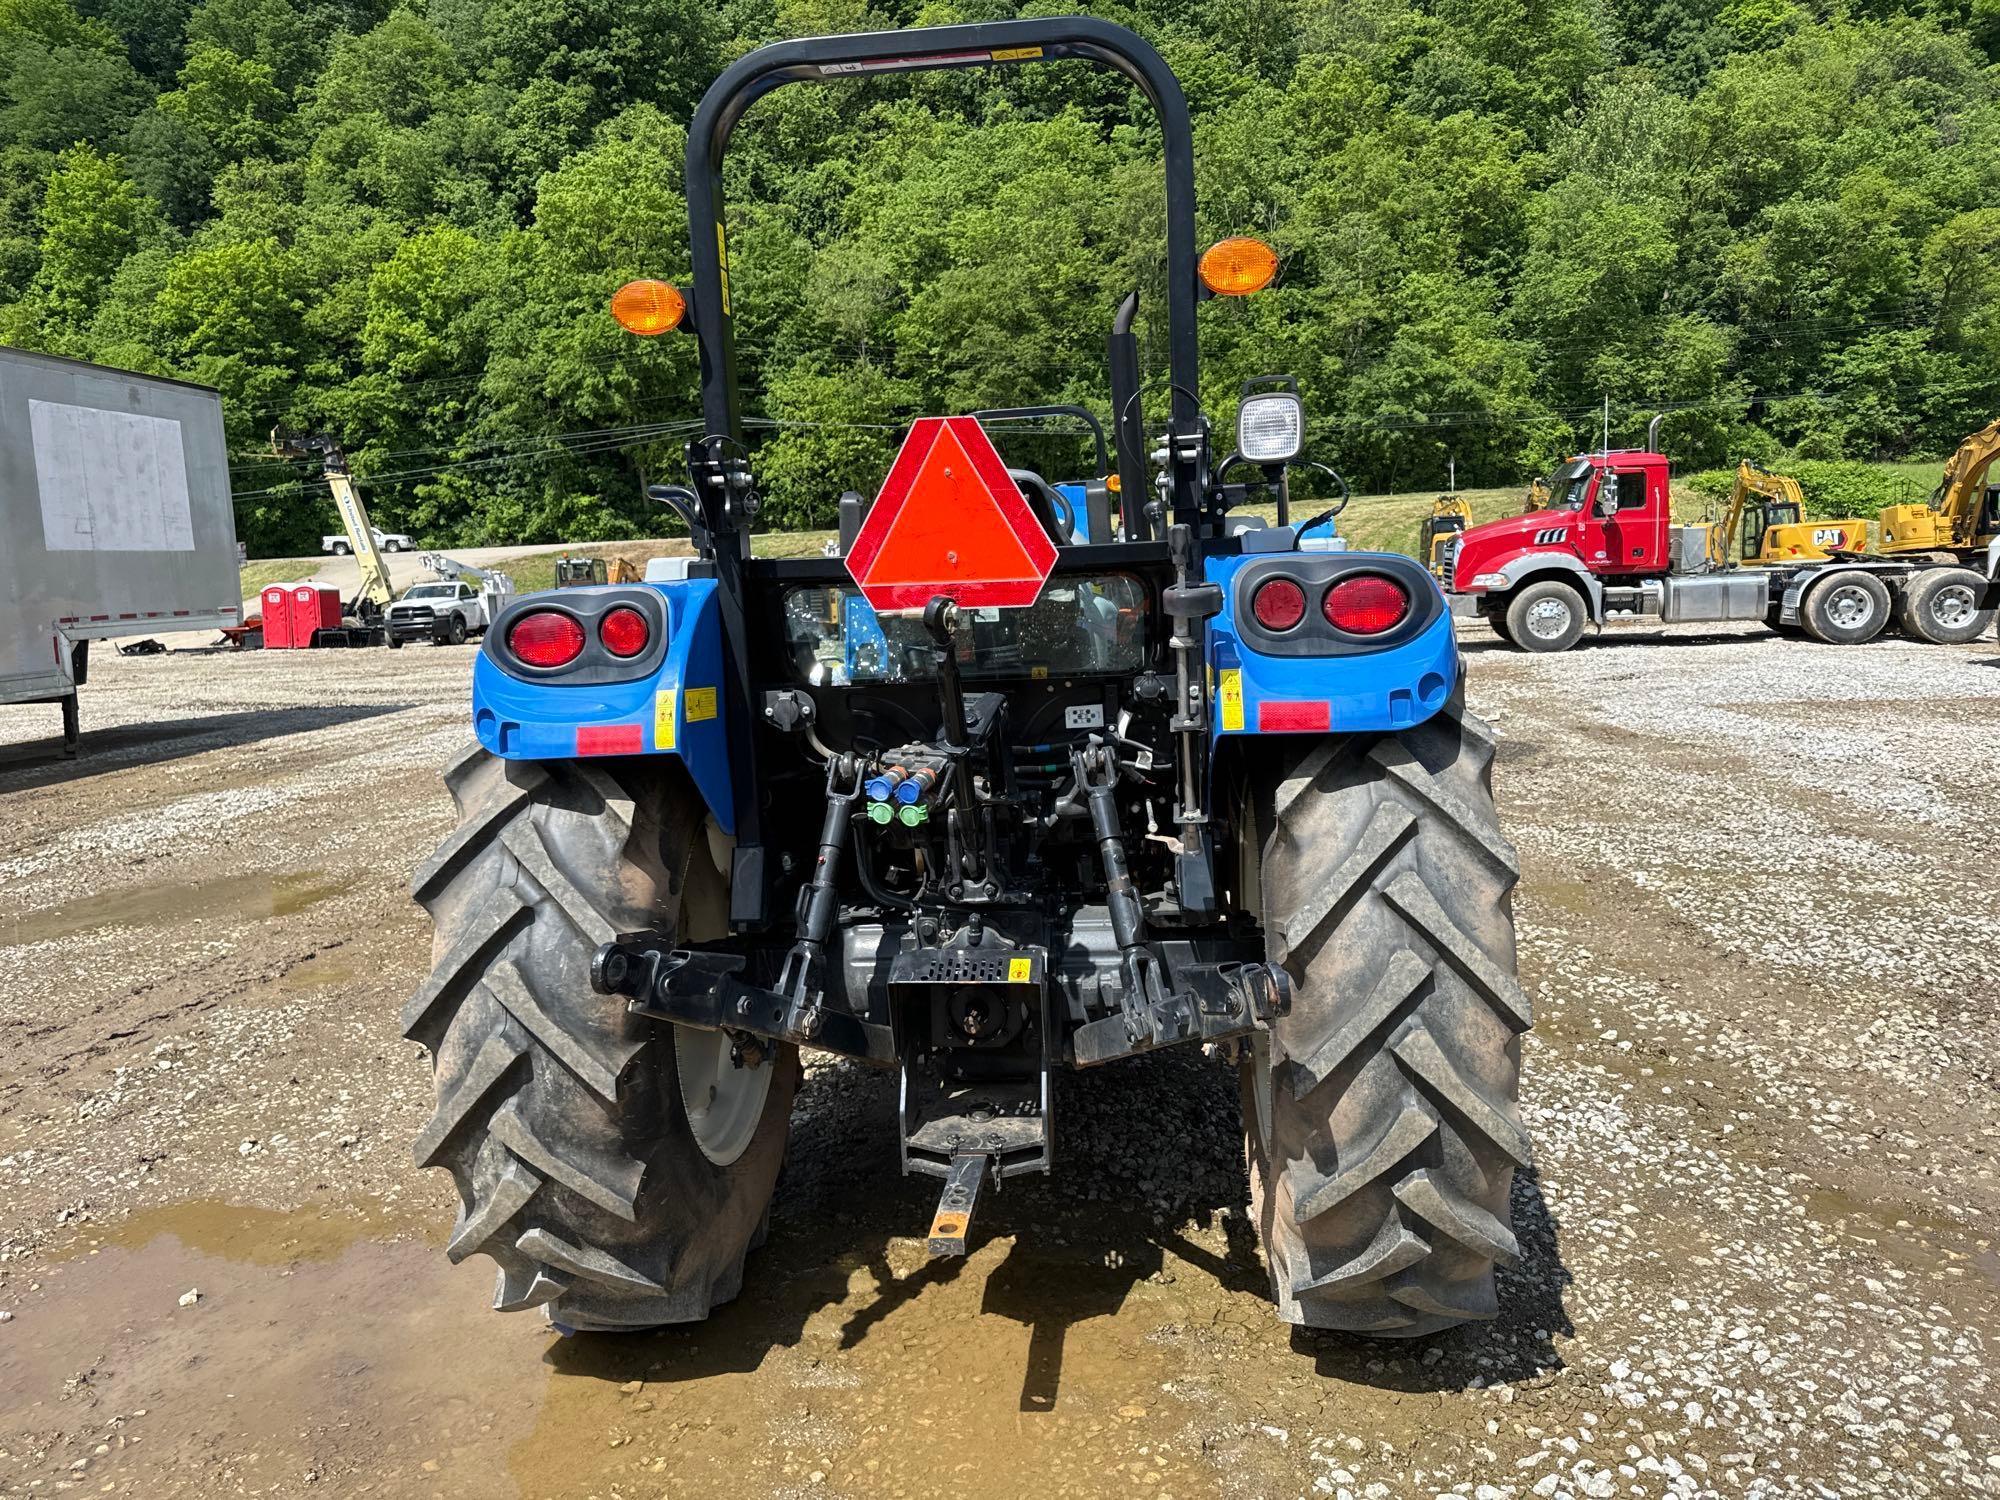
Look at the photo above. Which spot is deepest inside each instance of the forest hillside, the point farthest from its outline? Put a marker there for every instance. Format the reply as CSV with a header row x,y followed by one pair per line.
x,y
1779,220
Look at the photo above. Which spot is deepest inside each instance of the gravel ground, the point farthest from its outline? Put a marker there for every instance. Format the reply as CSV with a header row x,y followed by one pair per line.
x,y
1755,917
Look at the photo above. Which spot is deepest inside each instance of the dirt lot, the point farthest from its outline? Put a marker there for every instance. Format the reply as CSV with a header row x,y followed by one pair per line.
x,y
1757,921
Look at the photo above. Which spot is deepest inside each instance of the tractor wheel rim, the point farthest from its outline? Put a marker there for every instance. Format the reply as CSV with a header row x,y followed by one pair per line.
x,y
1260,1087
724,1103
1548,618
1953,606
1850,607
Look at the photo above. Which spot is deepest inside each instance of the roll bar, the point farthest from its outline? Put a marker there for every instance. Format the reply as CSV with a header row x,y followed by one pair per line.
x,y
718,461
982,44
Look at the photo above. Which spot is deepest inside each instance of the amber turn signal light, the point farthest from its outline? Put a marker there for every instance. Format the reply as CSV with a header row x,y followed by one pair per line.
x,y
1237,267
648,307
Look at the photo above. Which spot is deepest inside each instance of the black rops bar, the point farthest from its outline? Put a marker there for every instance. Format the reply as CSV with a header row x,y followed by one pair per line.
x,y
991,42
721,477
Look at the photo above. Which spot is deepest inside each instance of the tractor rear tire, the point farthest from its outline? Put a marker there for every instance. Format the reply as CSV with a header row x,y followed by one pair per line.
x,y
1846,609
1546,616
1942,607
1381,1115
560,1115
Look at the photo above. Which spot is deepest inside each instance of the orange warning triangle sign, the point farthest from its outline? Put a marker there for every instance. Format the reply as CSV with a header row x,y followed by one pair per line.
x,y
950,521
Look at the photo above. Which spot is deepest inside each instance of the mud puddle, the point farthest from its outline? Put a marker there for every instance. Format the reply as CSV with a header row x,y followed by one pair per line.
x,y
332,1347
252,898
315,1352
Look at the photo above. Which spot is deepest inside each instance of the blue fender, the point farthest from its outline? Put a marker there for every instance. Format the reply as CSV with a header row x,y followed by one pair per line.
x,y
675,710
1351,687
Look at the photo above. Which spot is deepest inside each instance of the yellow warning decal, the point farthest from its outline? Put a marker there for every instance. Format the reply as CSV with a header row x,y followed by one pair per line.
x,y
1232,698
700,704
722,259
1020,970
1015,54
663,720
1039,674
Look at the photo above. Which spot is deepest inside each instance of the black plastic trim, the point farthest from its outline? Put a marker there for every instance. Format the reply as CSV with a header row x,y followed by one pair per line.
x,y
1317,572
586,605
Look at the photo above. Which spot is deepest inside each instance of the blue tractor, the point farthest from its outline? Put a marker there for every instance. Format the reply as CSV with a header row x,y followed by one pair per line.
x,y
1196,778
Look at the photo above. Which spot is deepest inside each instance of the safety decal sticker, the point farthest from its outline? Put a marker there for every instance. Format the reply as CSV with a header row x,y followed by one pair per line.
x,y
1231,697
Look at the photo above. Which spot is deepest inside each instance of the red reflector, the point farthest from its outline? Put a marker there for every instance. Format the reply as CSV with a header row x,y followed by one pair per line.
x,y
611,739
546,639
1279,604
624,632
1367,605
949,520
1294,718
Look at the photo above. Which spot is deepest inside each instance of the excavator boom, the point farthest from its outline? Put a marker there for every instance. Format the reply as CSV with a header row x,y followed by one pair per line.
x,y
1960,516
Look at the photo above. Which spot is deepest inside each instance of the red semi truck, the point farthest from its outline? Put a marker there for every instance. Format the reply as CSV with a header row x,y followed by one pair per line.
x,y
1607,545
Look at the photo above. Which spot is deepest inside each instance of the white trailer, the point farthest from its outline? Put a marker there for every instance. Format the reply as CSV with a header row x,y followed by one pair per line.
x,y
115,519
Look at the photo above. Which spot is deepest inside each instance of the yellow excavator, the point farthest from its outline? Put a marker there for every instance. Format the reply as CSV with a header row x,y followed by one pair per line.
x,y
1449,516
1765,523
573,570
1963,516
1539,494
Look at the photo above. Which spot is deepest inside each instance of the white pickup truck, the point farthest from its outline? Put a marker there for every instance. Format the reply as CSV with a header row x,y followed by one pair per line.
x,y
388,541
445,613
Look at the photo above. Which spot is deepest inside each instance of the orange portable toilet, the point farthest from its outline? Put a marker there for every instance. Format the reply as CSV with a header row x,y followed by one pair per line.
x,y
276,602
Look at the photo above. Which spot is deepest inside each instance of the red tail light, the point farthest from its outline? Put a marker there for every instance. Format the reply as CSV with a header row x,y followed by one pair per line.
x,y
1367,605
546,638
624,632
1279,604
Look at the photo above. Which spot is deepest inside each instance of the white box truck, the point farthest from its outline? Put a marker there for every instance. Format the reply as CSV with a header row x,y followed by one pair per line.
x,y
115,519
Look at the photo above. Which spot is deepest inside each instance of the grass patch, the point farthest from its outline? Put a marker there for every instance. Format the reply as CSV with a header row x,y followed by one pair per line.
x,y
537,571
261,574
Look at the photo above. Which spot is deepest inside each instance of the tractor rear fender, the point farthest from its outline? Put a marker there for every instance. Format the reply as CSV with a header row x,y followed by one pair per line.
x,y
1533,567
1313,678
665,700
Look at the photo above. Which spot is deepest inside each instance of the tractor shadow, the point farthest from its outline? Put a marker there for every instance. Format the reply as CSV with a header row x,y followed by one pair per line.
x,y
1146,1149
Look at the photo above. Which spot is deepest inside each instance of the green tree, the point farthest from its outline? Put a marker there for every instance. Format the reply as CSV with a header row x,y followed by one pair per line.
x,y
229,101
91,219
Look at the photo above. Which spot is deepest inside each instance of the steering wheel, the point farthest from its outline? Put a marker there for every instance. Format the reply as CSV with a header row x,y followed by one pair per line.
x,y
1065,512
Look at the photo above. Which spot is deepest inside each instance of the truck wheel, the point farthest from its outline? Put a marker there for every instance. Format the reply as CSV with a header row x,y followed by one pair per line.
x,y
1846,609
1381,1115
341,549
1942,607
1497,620
617,1170
455,632
1546,616
393,641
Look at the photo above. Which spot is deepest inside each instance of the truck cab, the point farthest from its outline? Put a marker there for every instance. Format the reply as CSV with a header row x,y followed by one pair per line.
x,y
1607,516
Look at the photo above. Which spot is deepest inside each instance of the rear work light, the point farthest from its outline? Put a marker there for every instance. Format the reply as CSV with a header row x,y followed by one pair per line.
x,y
546,638
1367,605
624,632
1279,604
